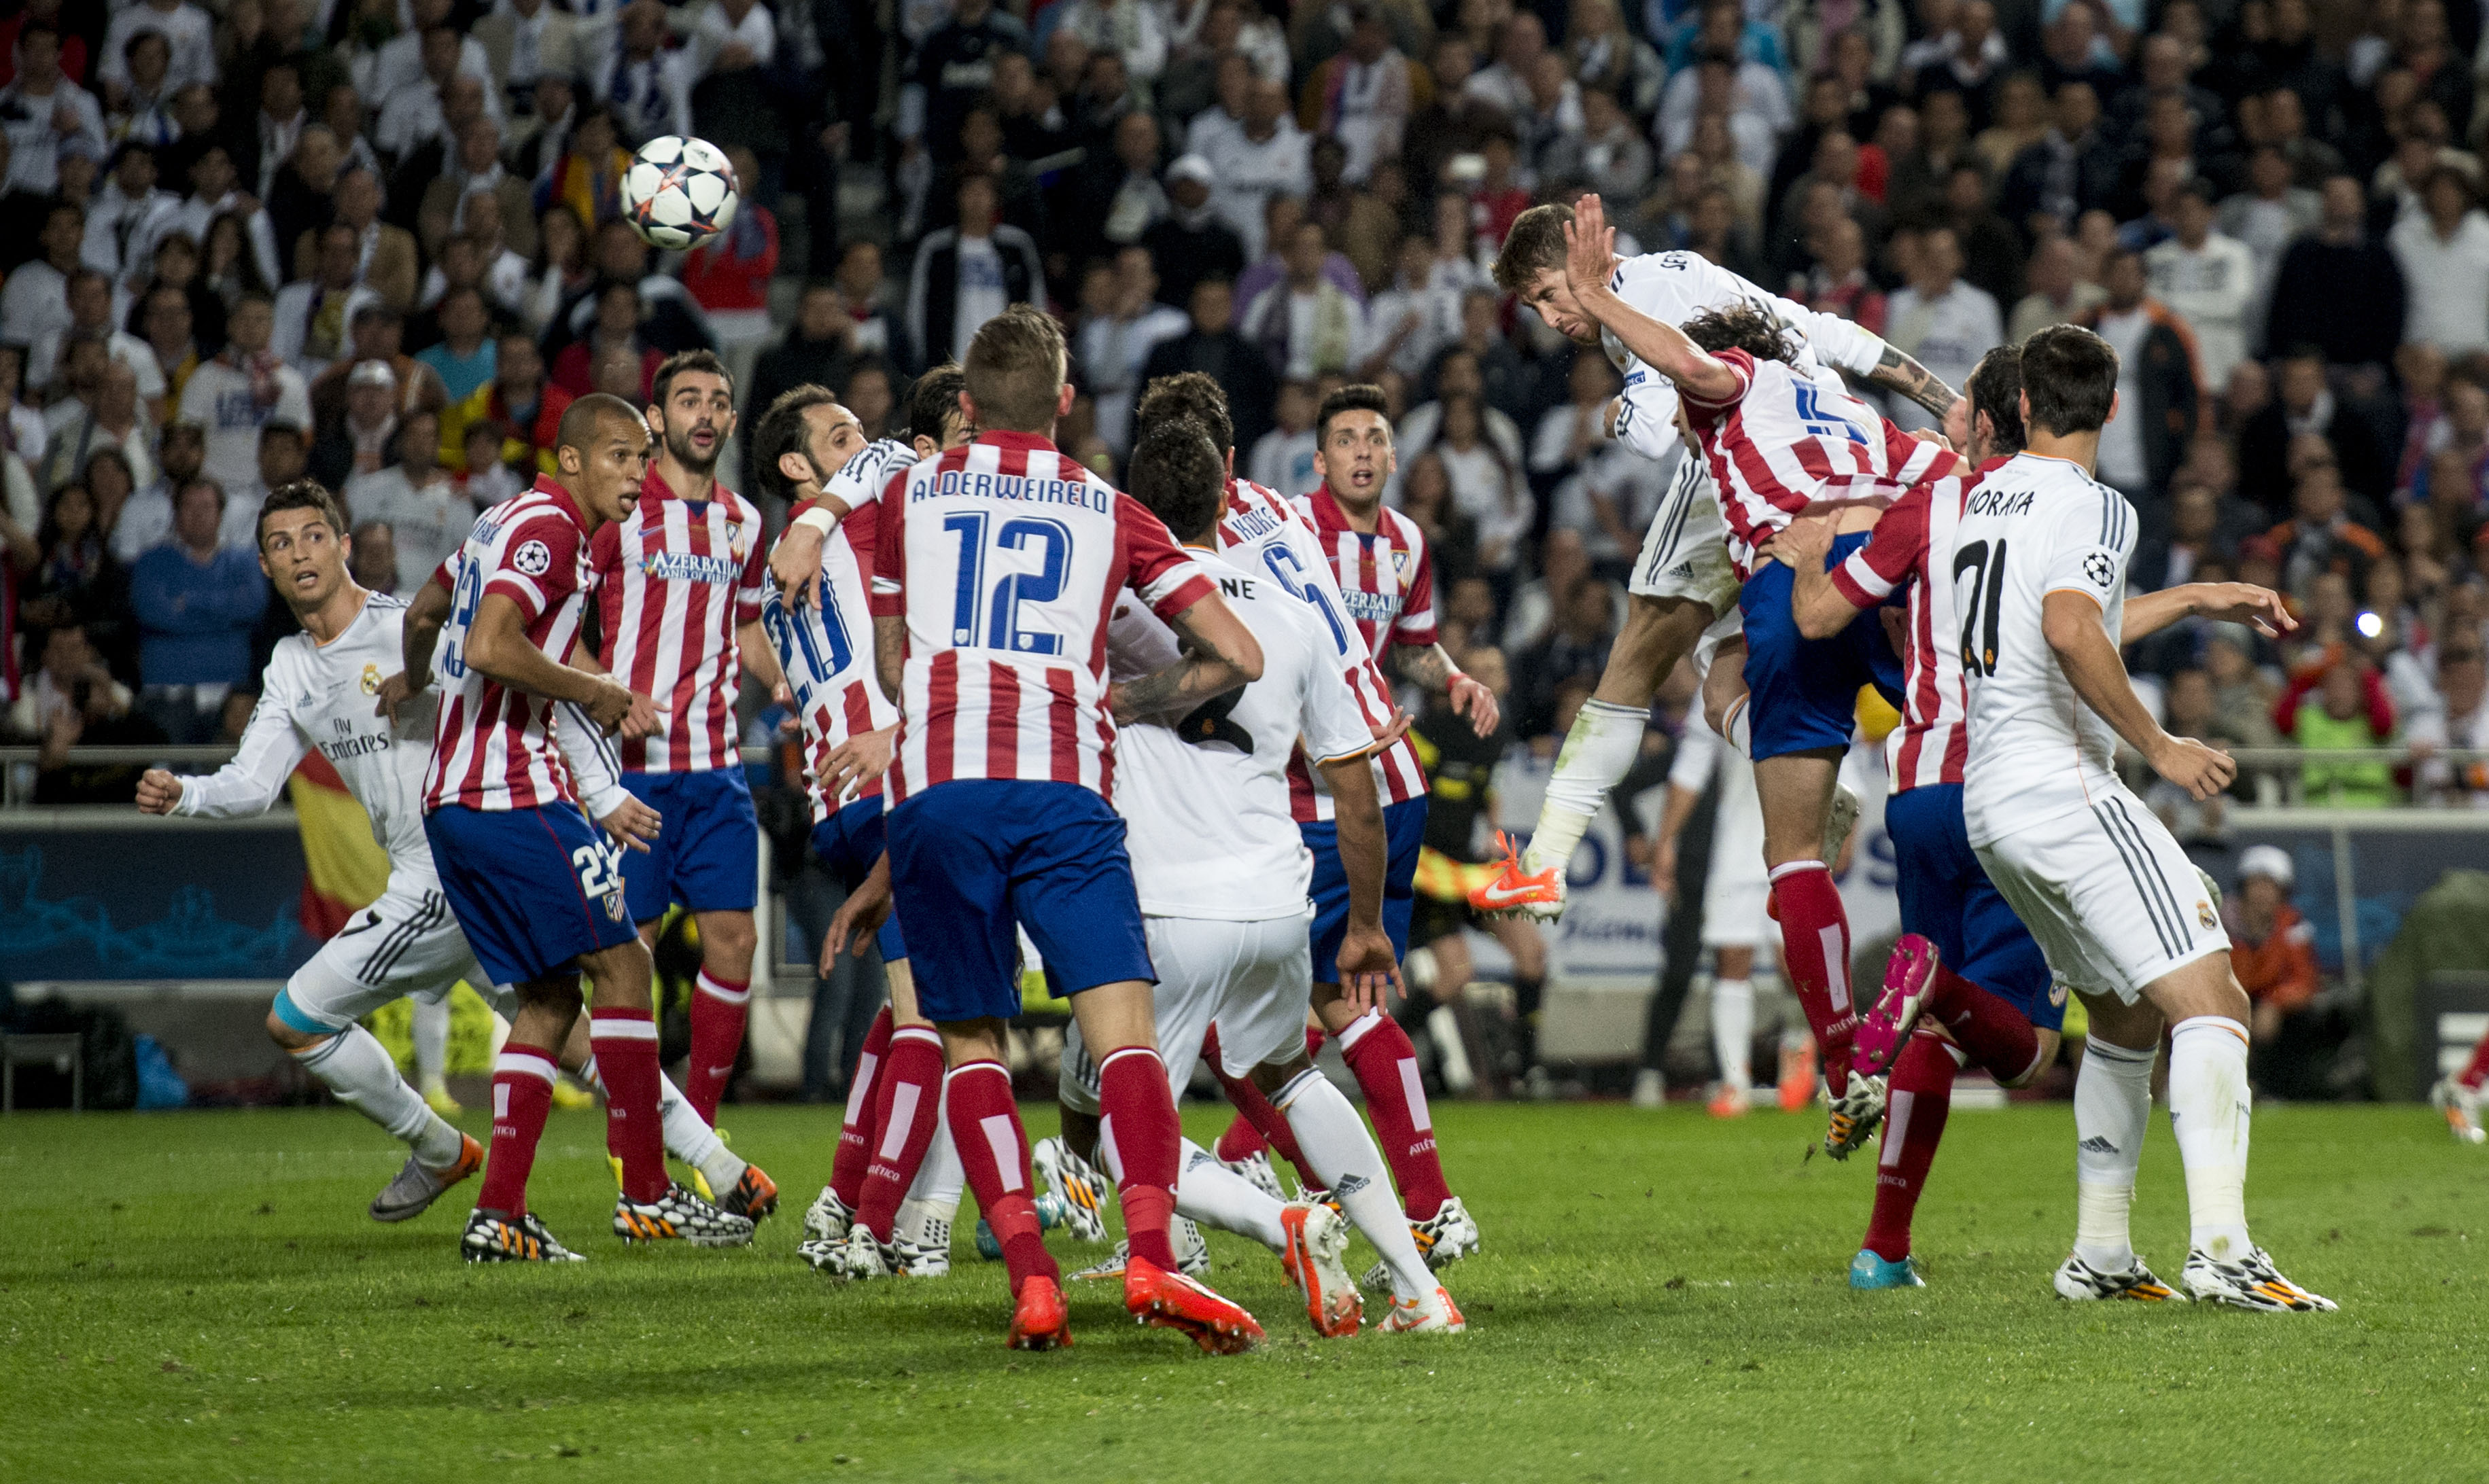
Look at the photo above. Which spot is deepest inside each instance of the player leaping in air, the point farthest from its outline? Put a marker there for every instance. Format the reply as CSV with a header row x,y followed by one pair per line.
x,y
318,692
1683,591
1969,983
539,894
1781,444
894,1180
995,569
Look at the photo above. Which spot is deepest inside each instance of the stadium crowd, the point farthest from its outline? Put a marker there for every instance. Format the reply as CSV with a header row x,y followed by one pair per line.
x,y
380,242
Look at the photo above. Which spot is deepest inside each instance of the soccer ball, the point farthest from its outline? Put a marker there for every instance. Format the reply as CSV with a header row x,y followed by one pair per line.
x,y
679,192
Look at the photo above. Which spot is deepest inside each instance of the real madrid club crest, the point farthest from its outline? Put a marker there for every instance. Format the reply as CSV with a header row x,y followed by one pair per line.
x,y
2203,914
371,679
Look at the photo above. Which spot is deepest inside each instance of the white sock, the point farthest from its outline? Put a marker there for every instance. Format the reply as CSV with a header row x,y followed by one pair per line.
x,y
1732,1031
1209,1191
1605,740
360,1072
2209,1102
1344,1158
939,1179
2113,1106
690,1139
431,1041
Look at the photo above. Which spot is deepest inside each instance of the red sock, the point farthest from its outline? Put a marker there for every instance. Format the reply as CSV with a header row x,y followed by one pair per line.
x,y
1918,1098
625,1041
1258,1124
522,1097
1314,1040
719,1007
1136,1121
856,1128
1385,1065
1996,1035
1814,953
2477,1072
913,1078
1243,1139
994,1154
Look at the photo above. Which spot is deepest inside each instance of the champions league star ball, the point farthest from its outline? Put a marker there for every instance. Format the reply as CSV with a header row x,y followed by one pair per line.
x,y
679,192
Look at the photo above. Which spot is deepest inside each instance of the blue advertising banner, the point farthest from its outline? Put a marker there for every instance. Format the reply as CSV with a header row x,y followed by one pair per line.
x,y
135,898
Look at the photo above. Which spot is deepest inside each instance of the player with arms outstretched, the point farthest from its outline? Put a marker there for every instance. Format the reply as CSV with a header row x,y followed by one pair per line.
x,y
539,894
995,568
2039,558
1683,591
678,583
1967,983
870,1220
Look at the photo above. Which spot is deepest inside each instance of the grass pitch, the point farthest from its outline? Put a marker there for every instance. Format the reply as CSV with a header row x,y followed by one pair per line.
x,y
200,1297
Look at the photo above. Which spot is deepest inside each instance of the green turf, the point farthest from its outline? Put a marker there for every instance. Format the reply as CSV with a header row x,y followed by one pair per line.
x,y
200,1297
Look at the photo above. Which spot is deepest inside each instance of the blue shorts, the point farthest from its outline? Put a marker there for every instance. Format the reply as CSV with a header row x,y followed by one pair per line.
x,y
1404,829
848,842
708,852
1803,693
534,888
1947,898
974,856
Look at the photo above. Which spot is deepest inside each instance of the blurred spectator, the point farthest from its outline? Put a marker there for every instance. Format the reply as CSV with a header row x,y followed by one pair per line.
x,y
1364,94
2337,290
1488,486
1283,458
2273,952
2340,702
145,520
195,602
314,312
2456,473
374,562
476,170
2208,279
1306,325
75,579
2305,403
1838,282
428,516
1575,649
2156,383
105,413
520,405
48,113
241,390
2320,536
1191,242
92,304
358,441
586,175
74,698
2073,169
35,300
1212,347
2057,296
284,452
463,358
646,86
2463,682
124,218
1114,347
1266,155
1944,322
617,329
2443,254
2266,217
386,258
966,275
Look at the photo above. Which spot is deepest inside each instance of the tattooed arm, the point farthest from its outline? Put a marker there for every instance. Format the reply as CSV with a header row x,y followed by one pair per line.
x,y
1432,667
1896,372
1221,654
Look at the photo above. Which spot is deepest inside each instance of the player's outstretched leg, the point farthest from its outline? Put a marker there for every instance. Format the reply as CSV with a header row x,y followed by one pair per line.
x,y
833,1209
1138,1122
1345,1156
994,1154
1918,983
1604,739
1919,1100
359,1070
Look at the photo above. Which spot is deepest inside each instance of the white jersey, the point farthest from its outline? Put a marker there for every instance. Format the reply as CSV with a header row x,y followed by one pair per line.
x,y
2033,527
322,696
1210,831
1674,287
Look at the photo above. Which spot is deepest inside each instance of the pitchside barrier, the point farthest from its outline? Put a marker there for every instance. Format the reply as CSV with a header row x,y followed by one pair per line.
x,y
191,925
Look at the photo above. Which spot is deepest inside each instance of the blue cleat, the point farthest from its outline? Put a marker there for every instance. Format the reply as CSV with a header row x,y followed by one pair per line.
x,y
1049,1215
1869,1271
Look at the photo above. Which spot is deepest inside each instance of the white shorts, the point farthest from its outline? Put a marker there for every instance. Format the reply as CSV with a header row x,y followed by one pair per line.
x,y
1253,981
2108,895
406,943
1685,553
1737,886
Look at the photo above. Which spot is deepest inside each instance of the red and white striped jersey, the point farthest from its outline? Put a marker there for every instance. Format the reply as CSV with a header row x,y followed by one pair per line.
x,y
675,579
1783,445
492,747
1930,745
827,651
1387,579
1263,531
1005,557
